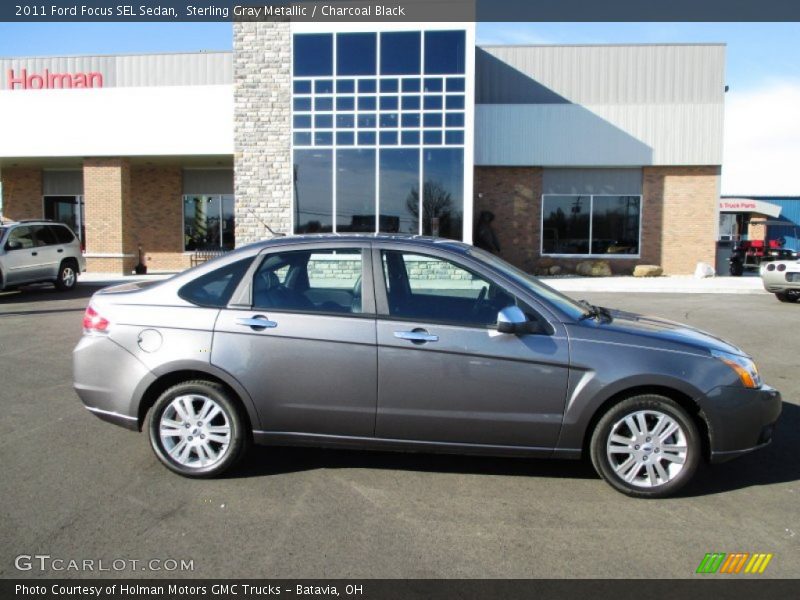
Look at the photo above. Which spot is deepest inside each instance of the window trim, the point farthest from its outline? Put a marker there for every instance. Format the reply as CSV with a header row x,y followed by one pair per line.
x,y
609,256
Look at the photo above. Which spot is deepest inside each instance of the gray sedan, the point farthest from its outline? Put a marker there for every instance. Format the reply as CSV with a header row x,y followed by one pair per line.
x,y
412,344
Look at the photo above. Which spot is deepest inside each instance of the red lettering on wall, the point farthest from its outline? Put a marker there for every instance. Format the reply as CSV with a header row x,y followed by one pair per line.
x,y
52,81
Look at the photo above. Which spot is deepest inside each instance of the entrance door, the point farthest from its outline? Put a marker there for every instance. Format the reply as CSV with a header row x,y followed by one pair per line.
x,y
67,210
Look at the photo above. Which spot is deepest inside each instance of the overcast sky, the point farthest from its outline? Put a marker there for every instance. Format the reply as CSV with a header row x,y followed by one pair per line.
x,y
762,121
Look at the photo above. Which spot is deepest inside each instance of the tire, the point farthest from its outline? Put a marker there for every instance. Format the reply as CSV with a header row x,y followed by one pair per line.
x,y
736,269
787,297
645,480
203,448
67,275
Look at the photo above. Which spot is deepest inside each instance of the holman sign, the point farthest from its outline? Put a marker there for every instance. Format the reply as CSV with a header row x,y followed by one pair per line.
x,y
45,80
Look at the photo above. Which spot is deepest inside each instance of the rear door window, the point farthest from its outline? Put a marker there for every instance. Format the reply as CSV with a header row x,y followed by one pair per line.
x,y
317,281
44,236
62,234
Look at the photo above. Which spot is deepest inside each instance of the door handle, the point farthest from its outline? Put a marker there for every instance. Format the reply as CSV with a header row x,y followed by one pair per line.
x,y
34,254
257,323
418,336
60,250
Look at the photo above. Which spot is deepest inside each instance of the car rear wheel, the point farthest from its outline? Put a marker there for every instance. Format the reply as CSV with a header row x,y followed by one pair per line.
x,y
197,430
788,296
646,446
67,276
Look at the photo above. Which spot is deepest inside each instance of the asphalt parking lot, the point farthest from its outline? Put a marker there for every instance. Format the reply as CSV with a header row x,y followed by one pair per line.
x,y
74,487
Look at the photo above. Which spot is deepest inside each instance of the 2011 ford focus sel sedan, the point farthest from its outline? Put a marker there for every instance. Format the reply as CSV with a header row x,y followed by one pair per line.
x,y
412,344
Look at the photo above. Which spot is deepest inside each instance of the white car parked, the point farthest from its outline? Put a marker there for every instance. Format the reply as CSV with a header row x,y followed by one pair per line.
x,y
782,278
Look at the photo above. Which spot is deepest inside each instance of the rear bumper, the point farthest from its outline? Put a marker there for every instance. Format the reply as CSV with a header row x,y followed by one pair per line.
x,y
106,377
740,420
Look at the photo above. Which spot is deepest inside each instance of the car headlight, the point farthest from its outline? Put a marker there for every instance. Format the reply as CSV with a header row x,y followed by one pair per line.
x,y
743,366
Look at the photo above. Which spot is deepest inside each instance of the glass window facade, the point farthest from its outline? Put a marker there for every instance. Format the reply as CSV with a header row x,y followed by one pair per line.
x,y
208,222
378,132
591,224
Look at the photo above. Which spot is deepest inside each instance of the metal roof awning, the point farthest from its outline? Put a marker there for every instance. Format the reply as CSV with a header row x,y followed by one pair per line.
x,y
749,205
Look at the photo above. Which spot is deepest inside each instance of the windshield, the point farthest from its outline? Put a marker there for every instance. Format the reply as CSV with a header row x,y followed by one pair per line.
x,y
564,303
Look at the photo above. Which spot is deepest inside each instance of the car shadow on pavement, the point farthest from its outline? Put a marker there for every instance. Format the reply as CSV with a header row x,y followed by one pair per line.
x,y
265,460
777,463
44,292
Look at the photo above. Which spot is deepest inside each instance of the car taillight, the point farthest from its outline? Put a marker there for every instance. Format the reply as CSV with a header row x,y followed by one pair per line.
x,y
93,322
781,267
770,267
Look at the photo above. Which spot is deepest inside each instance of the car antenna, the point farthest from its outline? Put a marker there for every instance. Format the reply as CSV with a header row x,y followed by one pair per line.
x,y
260,220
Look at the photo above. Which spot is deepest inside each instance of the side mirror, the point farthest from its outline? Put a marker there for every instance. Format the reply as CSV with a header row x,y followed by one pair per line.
x,y
512,320
13,245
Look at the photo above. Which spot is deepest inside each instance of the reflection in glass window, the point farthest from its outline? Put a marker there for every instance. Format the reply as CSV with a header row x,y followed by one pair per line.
x,y
615,224
565,224
443,192
313,54
411,85
355,190
355,53
208,222
323,86
313,191
399,190
400,53
445,52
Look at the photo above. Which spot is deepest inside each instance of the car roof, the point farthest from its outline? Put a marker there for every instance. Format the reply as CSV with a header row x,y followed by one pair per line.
x,y
324,238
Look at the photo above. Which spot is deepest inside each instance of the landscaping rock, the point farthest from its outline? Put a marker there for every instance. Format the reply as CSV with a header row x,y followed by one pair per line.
x,y
648,271
555,270
594,268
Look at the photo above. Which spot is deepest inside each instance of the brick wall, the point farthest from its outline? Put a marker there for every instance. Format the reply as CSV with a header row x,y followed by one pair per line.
x,y
262,129
681,203
514,195
109,215
157,220
22,193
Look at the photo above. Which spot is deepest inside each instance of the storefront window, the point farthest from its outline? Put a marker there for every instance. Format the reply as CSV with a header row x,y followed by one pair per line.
x,y
313,191
355,190
399,190
589,225
208,222
443,192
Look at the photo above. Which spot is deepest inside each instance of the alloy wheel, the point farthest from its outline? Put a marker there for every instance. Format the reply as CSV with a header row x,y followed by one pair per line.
x,y
195,431
647,448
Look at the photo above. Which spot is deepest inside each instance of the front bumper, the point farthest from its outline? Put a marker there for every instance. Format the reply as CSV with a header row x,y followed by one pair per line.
x,y
106,377
740,420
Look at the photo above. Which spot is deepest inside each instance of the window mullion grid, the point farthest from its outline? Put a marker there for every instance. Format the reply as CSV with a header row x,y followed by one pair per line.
x,y
421,124
377,141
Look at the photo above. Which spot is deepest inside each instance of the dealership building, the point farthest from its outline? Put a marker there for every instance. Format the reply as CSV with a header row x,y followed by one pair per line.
x,y
593,151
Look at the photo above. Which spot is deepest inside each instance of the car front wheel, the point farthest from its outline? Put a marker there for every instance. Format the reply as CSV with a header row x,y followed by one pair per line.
x,y
646,446
197,430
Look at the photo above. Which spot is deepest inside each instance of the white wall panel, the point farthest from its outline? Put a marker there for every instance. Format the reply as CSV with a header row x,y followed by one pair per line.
x,y
132,121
